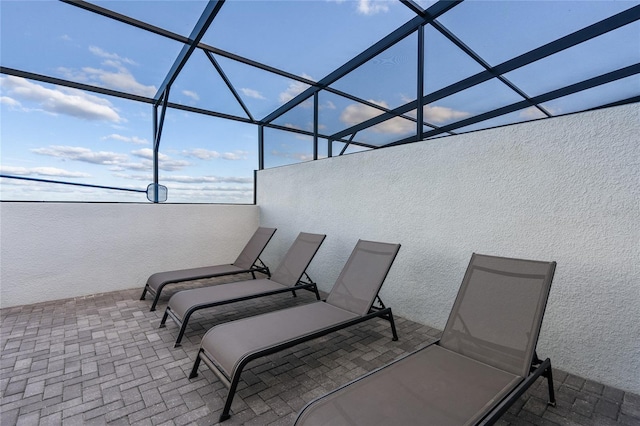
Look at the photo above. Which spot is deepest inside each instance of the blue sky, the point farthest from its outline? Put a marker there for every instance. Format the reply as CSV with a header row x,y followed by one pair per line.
x,y
52,132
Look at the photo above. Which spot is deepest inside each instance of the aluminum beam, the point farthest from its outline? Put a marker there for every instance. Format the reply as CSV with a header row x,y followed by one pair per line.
x,y
379,47
546,97
201,27
599,28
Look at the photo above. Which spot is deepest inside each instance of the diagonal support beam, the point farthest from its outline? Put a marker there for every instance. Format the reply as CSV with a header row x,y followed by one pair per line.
x,y
545,97
599,28
209,13
399,34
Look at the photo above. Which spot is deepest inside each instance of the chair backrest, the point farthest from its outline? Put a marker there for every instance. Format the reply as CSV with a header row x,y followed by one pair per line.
x,y
362,276
295,262
498,312
252,251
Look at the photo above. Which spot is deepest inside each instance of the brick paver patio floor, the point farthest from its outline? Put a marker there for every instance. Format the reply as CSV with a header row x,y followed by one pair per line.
x,y
103,360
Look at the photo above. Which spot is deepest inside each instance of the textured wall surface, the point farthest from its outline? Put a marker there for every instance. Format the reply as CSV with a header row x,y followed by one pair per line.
x,y
564,189
51,251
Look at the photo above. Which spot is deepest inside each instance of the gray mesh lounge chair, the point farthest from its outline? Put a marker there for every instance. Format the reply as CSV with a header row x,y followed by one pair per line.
x,y
227,348
246,262
484,361
286,278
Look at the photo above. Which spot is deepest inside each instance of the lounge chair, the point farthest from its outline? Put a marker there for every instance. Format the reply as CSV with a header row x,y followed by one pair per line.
x,y
286,278
247,262
483,362
227,348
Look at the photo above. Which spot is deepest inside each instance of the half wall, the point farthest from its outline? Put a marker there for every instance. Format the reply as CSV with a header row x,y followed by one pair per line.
x,y
564,189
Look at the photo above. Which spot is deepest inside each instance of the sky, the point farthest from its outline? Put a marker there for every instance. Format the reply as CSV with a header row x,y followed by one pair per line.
x,y
57,133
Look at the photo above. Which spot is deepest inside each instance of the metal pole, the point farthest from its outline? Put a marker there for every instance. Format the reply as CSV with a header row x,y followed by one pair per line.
x,y
261,147
420,89
315,125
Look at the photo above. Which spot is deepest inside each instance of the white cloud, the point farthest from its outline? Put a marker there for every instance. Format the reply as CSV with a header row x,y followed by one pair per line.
x,y
299,156
190,179
145,166
533,113
41,171
252,93
438,114
121,80
172,165
164,161
235,155
328,105
208,179
205,154
61,100
86,155
112,56
371,7
148,154
294,89
192,95
114,75
358,113
129,139
9,101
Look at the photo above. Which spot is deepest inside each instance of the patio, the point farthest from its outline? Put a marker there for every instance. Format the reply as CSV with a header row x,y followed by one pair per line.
x,y
101,359
502,148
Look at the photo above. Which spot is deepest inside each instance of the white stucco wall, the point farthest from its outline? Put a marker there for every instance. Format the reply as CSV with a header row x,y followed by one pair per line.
x,y
51,251
564,189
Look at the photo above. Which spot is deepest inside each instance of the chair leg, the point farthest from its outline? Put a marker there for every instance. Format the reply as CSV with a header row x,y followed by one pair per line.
x,y
183,328
156,295
196,364
144,292
155,301
552,395
393,326
164,318
232,391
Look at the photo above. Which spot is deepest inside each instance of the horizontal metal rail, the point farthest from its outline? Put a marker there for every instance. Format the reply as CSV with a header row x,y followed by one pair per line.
x,y
72,183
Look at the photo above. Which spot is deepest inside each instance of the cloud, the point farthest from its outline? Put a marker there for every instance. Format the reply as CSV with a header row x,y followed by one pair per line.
x,y
371,7
438,114
133,139
116,76
10,102
112,56
294,89
86,155
64,101
164,161
208,179
298,156
190,179
357,113
205,154
252,93
121,80
533,113
148,154
41,171
192,95
328,105
145,166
